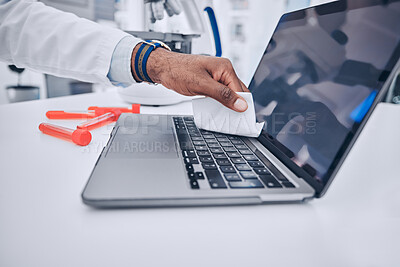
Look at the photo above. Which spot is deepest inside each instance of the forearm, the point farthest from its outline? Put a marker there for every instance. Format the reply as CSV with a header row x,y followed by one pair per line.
x,y
51,41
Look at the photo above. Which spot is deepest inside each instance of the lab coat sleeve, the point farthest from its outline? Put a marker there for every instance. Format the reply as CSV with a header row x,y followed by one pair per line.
x,y
120,73
47,40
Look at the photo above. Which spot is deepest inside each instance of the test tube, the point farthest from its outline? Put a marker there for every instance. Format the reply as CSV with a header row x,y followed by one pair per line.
x,y
100,120
101,110
79,136
62,115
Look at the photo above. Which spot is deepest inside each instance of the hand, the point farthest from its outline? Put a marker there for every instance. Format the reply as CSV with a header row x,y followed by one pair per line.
x,y
192,75
156,8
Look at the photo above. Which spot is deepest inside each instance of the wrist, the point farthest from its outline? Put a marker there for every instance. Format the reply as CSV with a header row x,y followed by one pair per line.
x,y
154,66
157,64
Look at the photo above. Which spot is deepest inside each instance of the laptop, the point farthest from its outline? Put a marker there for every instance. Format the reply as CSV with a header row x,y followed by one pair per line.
x,y
322,73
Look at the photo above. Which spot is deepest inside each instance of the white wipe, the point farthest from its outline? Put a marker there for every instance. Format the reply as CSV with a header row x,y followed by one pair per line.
x,y
211,115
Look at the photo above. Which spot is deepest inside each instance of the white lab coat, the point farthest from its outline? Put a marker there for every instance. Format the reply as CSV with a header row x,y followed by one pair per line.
x,y
47,40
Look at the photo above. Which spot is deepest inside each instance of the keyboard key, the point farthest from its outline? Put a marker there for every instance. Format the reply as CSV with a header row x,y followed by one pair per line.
x,y
248,175
237,142
231,137
245,152
225,144
262,171
199,148
223,162
199,175
197,138
189,167
282,178
189,153
219,135
209,166
256,164
213,145
202,153
216,150
241,147
195,134
208,136
194,184
194,131
191,176
211,141
215,179
223,139
238,161
233,155
191,161
205,132
250,157
232,177
230,149
270,181
208,159
243,167
188,118
288,184
185,142
219,156
229,169
246,184
199,143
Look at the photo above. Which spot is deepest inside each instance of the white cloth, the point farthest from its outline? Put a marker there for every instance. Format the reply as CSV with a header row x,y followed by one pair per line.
x,y
211,115
44,39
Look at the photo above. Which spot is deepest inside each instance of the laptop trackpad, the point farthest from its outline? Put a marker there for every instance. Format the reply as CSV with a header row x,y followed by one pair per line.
x,y
148,142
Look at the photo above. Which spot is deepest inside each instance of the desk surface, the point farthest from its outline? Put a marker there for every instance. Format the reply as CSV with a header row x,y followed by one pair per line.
x,y
43,221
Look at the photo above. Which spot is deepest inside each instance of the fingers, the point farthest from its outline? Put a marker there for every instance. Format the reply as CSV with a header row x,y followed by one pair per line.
x,y
224,95
244,87
228,75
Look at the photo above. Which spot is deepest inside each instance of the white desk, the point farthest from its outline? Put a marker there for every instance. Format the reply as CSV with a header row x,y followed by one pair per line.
x,y
43,221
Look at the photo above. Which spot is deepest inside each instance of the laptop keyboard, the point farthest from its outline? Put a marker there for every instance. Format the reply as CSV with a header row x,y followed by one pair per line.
x,y
224,160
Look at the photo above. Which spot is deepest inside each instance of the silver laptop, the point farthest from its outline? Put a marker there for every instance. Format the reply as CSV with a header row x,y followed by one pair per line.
x,y
322,73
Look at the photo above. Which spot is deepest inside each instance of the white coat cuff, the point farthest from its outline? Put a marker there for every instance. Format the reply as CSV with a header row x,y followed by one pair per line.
x,y
120,73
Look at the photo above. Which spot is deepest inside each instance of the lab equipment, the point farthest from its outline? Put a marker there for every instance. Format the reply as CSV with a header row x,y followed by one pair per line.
x,y
80,137
101,110
156,8
62,115
19,93
92,112
100,121
193,31
98,117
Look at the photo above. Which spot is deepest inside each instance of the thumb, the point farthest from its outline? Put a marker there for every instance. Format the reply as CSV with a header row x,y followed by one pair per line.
x,y
225,95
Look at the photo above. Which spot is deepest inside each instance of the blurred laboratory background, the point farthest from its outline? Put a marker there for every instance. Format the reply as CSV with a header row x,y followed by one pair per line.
x,y
235,29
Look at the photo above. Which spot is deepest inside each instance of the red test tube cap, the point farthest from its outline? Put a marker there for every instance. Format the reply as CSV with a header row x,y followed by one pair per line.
x,y
81,137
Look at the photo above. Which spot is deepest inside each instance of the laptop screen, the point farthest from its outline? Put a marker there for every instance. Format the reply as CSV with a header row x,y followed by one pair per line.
x,y
320,75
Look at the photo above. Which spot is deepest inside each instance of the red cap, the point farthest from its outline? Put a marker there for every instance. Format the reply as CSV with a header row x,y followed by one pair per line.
x,y
81,137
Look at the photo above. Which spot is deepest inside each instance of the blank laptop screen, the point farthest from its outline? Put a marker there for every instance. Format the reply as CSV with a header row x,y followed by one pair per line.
x,y
320,74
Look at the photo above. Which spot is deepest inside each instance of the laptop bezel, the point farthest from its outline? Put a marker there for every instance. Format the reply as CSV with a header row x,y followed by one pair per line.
x,y
278,149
